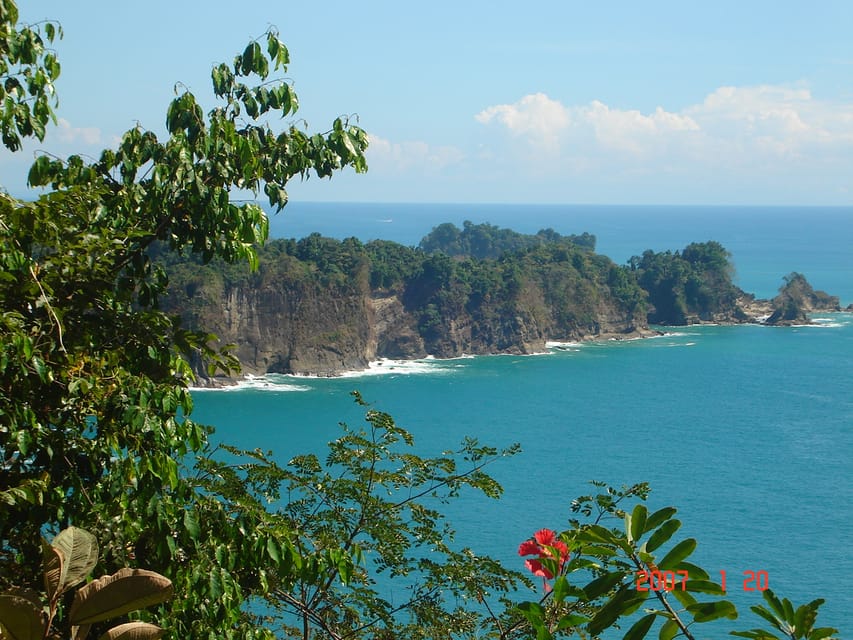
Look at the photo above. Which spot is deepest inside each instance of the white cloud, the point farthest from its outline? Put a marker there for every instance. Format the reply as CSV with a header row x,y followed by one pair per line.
x,y
402,156
535,115
631,130
781,121
732,125
68,134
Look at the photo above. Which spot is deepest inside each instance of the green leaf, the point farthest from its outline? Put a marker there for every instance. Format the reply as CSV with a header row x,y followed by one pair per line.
x,y
23,439
804,619
755,634
704,586
571,620
684,597
79,550
822,632
767,615
559,591
597,550
693,571
20,618
789,611
348,145
771,599
638,522
661,535
40,368
603,584
39,171
273,46
707,611
597,533
273,550
215,584
534,613
677,554
622,603
191,525
640,628
669,630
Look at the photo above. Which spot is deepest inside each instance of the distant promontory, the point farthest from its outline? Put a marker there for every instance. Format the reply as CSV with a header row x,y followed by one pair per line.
x,y
321,306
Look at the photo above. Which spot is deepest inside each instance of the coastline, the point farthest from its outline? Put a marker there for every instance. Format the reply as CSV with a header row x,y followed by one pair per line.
x,y
289,382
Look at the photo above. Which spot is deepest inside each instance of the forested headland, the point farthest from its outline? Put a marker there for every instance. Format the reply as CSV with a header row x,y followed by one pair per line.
x,y
322,306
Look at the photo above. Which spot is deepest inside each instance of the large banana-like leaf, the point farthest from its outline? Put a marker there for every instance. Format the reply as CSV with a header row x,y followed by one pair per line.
x,y
20,618
134,631
79,554
124,591
54,569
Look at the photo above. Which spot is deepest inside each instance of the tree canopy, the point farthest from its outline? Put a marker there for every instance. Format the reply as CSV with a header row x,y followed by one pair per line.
x,y
94,402
695,283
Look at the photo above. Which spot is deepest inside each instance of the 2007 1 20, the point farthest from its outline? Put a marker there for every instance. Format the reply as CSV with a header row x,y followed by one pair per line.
x,y
670,580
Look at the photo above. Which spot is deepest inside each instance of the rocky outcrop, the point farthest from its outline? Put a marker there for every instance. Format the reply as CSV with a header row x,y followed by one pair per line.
x,y
796,300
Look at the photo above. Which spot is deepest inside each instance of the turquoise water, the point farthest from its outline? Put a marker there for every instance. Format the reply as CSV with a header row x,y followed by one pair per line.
x,y
747,430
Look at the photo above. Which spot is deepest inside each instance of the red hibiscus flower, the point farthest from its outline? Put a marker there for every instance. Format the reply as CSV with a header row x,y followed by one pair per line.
x,y
544,545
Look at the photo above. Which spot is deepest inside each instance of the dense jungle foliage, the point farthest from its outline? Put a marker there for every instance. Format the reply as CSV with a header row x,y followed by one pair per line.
x,y
454,268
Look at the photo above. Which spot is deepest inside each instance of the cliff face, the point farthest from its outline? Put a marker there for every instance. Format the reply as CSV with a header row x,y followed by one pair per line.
x,y
289,319
298,329
295,328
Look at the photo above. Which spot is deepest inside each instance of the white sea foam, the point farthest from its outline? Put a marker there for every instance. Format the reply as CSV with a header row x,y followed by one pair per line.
x,y
400,367
269,382
831,323
563,346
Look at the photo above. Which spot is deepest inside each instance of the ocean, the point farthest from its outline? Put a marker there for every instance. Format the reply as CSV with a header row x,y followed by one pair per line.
x,y
747,430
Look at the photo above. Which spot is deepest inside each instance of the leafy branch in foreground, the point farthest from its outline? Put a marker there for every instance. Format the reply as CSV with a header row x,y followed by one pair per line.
x,y
793,623
373,508
94,377
622,568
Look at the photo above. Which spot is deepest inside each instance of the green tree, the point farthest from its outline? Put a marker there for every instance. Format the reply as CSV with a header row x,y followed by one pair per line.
x,y
375,500
693,283
94,401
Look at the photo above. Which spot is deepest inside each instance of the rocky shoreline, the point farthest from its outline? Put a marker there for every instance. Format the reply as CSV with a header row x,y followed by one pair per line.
x,y
756,312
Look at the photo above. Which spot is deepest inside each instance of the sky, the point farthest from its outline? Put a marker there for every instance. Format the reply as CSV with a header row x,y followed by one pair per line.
x,y
725,102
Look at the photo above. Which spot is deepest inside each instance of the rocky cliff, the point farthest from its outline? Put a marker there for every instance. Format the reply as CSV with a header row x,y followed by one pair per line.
x,y
321,307
286,327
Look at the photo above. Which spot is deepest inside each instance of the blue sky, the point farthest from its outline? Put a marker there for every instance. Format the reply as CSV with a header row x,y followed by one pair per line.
x,y
553,102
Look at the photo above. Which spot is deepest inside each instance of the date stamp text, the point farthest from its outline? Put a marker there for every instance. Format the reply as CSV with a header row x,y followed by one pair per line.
x,y
678,580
